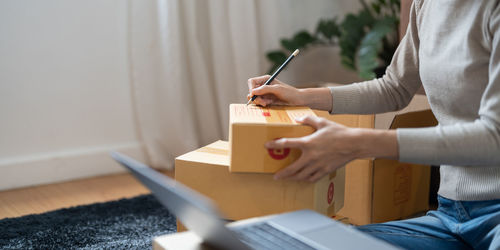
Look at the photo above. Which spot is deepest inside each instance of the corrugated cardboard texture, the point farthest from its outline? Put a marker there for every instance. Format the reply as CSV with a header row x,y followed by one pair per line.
x,y
246,195
276,115
418,103
252,126
248,153
416,119
358,192
399,190
358,173
383,190
407,192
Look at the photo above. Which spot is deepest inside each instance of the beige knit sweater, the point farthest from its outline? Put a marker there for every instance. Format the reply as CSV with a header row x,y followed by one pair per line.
x,y
452,49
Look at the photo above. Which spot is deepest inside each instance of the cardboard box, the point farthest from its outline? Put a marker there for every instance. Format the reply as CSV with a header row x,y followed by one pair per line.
x,y
376,190
246,195
380,190
252,126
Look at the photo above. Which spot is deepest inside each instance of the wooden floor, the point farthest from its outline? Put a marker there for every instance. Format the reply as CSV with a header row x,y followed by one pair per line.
x,y
39,199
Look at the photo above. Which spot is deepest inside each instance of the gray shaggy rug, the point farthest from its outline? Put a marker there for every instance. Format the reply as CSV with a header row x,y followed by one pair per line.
x,y
122,224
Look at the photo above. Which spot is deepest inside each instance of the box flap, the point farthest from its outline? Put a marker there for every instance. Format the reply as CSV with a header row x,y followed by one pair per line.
x,y
418,103
417,119
282,115
216,153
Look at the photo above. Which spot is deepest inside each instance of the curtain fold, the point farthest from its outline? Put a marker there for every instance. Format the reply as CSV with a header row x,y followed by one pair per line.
x,y
190,59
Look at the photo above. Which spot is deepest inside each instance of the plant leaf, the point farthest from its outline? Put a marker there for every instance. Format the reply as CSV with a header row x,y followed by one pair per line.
x,y
288,44
302,39
376,7
328,28
371,43
276,57
352,31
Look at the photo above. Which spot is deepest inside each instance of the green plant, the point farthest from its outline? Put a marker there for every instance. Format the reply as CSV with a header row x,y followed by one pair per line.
x,y
327,33
367,39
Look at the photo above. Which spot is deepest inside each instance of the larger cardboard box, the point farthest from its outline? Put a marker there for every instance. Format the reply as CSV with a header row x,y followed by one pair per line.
x,y
246,195
380,190
252,126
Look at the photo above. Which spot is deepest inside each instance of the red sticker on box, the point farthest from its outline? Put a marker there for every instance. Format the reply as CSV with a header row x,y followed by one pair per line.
x,y
278,154
329,196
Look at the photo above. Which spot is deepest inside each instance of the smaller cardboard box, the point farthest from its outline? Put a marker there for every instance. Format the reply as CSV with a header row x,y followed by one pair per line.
x,y
252,126
245,195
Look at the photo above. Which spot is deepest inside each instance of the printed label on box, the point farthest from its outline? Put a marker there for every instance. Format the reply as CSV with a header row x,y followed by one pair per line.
x,y
402,184
278,115
329,196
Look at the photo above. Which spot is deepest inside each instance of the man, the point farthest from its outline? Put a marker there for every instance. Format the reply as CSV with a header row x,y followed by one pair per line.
x,y
451,48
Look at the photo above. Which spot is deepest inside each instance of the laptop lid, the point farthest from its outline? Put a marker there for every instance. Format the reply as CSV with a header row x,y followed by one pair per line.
x,y
195,211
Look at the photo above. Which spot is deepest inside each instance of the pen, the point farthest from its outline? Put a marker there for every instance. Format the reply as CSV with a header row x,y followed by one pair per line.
x,y
276,73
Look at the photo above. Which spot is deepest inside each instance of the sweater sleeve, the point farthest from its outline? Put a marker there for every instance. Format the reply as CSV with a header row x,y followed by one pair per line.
x,y
472,143
391,92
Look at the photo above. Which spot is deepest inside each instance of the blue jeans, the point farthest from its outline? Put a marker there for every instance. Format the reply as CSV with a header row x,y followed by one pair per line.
x,y
455,225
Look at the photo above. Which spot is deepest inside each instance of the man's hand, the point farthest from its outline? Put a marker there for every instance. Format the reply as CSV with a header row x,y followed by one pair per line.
x,y
332,146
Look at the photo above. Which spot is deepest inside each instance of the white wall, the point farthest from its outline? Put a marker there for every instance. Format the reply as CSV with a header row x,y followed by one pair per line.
x,y
65,91
65,96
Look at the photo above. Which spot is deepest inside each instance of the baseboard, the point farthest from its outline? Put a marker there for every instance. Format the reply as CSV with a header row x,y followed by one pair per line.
x,y
65,165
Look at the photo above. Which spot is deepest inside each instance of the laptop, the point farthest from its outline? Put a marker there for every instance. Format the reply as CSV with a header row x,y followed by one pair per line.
x,y
302,229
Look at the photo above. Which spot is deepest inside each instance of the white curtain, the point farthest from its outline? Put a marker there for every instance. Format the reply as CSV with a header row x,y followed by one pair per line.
x,y
189,59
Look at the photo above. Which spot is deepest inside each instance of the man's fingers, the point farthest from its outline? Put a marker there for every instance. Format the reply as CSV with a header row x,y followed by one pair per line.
x,y
292,168
285,143
313,121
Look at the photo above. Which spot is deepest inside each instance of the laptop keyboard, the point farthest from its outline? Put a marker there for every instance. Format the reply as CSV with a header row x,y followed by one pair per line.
x,y
265,236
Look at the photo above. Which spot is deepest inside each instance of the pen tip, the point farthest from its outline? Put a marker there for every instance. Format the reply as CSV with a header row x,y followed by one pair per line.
x,y
296,52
